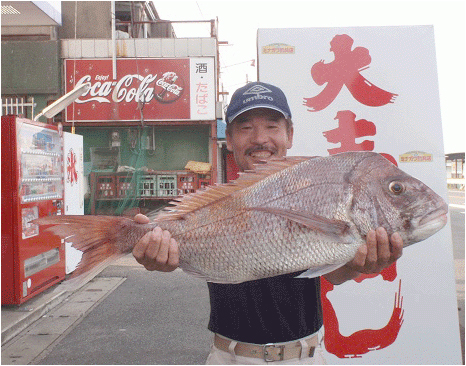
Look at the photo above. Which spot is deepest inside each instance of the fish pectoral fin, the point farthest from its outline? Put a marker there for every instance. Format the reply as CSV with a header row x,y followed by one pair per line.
x,y
320,271
310,220
192,271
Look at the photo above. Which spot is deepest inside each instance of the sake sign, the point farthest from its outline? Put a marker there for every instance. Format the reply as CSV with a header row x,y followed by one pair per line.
x,y
153,89
375,89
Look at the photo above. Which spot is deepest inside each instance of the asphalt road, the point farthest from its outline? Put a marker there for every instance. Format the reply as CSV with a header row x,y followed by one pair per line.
x,y
456,207
119,331
457,220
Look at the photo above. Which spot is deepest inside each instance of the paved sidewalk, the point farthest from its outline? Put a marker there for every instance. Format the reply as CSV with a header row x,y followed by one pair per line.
x,y
17,318
47,329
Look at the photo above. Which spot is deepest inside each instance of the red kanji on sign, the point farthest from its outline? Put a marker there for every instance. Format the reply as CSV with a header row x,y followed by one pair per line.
x,y
348,130
71,172
345,70
365,340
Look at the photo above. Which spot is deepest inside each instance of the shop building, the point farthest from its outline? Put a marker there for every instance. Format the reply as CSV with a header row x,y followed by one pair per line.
x,y
152,106
455,170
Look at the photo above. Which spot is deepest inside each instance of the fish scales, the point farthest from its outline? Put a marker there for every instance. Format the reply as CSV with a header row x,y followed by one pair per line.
x,y
286,216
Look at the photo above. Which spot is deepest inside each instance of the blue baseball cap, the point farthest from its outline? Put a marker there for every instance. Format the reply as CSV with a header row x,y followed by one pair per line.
x,y
257,95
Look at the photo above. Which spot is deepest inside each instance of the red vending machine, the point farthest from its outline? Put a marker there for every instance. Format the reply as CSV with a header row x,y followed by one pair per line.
x,y
32,187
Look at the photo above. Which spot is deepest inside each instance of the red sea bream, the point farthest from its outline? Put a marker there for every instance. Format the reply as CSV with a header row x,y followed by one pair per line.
x,y
285,216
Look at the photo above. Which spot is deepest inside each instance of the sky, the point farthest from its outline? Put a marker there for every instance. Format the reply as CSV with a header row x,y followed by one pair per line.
x,y
238,22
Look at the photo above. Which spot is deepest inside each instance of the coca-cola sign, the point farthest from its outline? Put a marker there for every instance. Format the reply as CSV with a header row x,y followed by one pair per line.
x,y
160,88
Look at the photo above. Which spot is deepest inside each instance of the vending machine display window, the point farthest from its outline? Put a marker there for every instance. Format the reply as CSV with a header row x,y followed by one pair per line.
x,y
41,168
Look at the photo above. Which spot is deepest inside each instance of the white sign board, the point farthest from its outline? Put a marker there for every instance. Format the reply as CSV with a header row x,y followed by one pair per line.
x,y
202,83
375,89
73,170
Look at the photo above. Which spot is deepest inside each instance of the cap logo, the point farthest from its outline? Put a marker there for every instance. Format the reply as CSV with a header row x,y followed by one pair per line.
x,y
257,91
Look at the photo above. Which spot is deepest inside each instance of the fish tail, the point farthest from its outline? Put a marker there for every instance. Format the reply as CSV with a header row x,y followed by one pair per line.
x,y
100,238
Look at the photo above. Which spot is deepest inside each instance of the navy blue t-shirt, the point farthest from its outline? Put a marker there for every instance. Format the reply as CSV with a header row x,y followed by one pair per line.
x,y
270,310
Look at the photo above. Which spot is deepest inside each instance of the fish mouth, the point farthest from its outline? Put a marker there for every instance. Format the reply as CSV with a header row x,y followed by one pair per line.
x,y
438,216
428,225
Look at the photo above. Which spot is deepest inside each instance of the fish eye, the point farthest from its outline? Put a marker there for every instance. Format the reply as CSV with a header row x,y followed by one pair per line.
x,y
396,187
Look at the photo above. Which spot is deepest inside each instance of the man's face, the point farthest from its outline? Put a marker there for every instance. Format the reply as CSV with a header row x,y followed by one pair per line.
x,y
258,135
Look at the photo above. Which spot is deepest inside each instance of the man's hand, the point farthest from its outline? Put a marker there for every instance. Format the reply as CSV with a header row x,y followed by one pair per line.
x,y
377,254
157,250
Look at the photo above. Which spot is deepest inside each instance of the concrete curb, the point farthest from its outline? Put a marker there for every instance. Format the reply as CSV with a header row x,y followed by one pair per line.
x,y
16,319
39,338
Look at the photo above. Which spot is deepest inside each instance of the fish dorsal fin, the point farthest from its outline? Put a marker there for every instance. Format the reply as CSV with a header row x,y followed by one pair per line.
x,y
202,198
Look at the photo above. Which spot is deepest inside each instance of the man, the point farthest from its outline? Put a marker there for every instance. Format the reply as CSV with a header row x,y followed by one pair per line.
x,y
278,318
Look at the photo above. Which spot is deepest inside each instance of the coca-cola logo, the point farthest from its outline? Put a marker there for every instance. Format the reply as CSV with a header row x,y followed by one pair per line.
x,y
132,87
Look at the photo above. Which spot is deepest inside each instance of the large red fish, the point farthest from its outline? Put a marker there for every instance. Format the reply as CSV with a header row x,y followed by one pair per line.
x,y
288,215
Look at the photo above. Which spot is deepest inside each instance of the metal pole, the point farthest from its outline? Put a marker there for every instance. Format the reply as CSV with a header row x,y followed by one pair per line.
x,y
113,42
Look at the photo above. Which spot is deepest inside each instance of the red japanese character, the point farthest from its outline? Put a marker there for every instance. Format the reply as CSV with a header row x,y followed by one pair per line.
x,y
345,70
348,130
362,341
72,174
